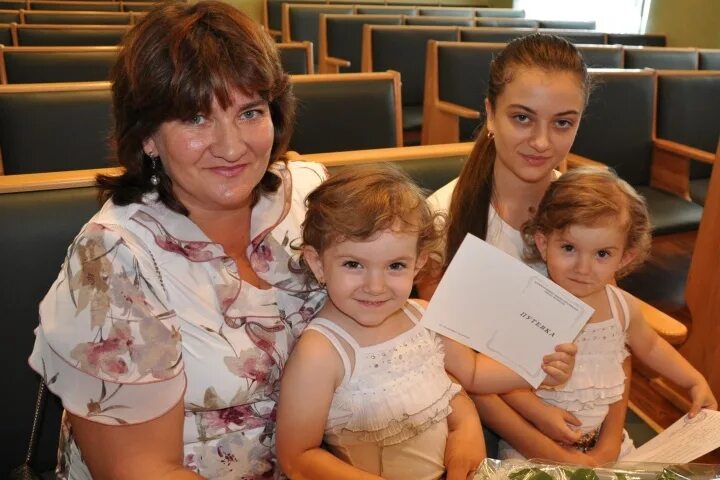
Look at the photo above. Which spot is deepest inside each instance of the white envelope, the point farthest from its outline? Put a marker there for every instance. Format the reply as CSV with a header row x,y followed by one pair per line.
x,y
497,305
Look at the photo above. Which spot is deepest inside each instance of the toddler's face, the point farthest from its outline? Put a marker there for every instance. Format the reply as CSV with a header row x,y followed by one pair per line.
x,y
369,280
583,259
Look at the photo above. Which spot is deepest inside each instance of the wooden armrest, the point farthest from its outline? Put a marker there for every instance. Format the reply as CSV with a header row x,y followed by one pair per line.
x,y
338,62
684,150
574,160
274,33
393,154
53,180
665,325
458,110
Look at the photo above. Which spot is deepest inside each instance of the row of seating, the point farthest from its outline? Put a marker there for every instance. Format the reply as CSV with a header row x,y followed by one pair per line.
x,y
69,18
51,208
87,64
84,5
273,9
61,35
403,48
335,112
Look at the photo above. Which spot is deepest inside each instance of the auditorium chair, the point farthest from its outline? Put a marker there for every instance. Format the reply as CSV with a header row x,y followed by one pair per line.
x,y
54,126
506,22
67,35
493,34
618,129
709,59
138,6
687,130
500,12
12,5
104,6
347,111
75,18
568,24
577,36
425,20
402,48
56,64
602,56
6,37
340,49
446,12
646,39
302,22
297,57
661,58
385,10
10,16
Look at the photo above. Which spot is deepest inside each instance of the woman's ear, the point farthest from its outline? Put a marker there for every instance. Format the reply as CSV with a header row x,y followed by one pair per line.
x,y
313,260
490,120
149,147
541,242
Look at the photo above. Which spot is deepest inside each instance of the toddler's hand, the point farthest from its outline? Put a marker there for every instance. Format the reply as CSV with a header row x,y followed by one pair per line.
x,y
554,421
559,365
702,397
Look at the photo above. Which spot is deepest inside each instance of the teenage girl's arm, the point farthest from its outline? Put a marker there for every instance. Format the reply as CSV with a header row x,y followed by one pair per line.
x,y
311,375
607,448
549,419
522,435
662,357
480,374
465,447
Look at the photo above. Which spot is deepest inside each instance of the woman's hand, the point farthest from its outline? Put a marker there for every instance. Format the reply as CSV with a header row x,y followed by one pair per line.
x,y
554,421
702,397
559,365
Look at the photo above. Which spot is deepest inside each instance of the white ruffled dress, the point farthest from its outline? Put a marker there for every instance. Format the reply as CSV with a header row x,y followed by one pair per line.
x,y
388,416
598,379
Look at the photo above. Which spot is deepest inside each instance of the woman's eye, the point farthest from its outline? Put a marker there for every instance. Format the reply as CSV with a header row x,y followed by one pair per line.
x,y
251,114
197,119
521,118
351,264
564,123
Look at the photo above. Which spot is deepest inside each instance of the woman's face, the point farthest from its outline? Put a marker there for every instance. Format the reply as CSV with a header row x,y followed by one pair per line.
x,y
535,120
215,160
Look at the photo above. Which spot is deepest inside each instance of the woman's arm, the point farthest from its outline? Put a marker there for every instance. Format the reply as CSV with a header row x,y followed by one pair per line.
x,y
662,357
152,449
522,435
311,375
550,420
607,448
465,447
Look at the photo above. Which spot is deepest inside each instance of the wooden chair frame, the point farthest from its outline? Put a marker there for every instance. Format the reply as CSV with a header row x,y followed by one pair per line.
x,y
30,50
367,63
79,3
286,30
643,48
25,14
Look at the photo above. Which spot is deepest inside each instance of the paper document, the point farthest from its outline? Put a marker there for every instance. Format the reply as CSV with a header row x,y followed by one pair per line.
x,y
683,441
499,306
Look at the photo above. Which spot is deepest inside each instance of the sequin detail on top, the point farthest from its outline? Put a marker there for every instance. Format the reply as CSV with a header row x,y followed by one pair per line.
x,y
398,388
598,379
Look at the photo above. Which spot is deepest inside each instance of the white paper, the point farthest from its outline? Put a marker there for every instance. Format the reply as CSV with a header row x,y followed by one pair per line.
x,y
683,441
497,305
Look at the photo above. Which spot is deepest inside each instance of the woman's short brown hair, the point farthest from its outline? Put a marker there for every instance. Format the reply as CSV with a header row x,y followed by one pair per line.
x,y
590,196
171,66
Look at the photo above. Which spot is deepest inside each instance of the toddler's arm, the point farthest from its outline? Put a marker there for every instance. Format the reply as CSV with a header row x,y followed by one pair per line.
x,y
480,374
465,447
550,420
311,375
662,357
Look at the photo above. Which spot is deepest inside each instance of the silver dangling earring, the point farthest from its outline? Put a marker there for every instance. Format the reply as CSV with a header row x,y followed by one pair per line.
x,y
154,178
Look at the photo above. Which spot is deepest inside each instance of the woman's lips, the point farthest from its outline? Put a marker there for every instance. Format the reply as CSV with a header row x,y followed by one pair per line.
x,y
229,171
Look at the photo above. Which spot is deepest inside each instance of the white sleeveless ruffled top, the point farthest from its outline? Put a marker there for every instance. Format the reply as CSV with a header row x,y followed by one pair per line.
x,y
598,379
388,416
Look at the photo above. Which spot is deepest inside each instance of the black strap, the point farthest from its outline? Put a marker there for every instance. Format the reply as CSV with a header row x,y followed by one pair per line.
x,y
24,471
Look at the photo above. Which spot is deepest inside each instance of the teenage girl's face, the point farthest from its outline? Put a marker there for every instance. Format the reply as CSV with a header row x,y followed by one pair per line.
x,y
535,120
368,281
583,259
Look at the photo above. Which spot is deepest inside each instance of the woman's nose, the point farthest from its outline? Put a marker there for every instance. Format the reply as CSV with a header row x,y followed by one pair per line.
x,y
228,142
540,140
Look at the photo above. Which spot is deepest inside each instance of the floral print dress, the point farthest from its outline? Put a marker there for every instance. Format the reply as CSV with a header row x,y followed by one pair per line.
x,y
147,311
